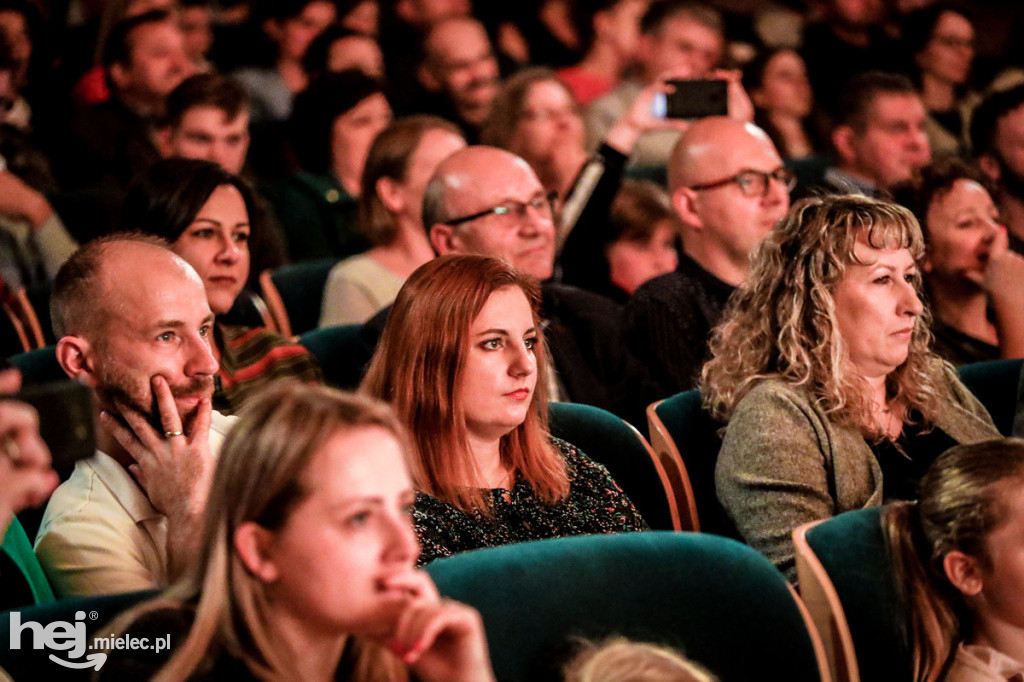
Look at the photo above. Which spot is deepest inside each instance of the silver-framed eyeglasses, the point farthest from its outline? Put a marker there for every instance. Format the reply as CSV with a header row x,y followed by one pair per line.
x,y
543,205
754,183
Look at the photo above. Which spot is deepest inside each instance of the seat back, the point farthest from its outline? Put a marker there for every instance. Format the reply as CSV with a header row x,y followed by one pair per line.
x,y
718,602
294,294
686,439
39,366
335,351
18,550
28,663
610,441
996,384
847,583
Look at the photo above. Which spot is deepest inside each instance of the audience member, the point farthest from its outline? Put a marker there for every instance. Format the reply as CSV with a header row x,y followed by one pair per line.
x,y
610,30
975,283
677,37
954,562
850,40
204,213
460,70
776,81
879,135
463,362
112,143
17,18
622,660
306,568
133,323
332,127
26,479
822,369
33,241
486,201
997,126
401,160
728,188
291,26
940,40
640,242
362,16
208,119
339,49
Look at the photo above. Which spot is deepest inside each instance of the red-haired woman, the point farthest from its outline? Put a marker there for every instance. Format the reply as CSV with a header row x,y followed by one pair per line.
x,y
462,361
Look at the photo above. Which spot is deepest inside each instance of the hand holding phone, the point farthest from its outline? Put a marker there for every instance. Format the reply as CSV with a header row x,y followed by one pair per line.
x,y
692,99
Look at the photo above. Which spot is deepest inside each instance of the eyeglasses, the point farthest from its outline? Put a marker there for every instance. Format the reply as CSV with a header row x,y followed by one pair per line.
x,y
543,205
754,183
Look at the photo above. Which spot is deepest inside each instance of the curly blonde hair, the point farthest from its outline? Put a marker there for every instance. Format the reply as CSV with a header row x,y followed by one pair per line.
x,y
781,323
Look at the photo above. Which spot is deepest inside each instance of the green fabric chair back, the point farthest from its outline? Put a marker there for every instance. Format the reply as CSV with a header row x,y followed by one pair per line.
x,y
696,437
333,349
39,366
717,601
301,289
18,549
996,384
608,440
852,550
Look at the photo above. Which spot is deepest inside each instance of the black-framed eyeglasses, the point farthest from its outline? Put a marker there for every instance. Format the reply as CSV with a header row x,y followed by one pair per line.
x,y
754,183
543,204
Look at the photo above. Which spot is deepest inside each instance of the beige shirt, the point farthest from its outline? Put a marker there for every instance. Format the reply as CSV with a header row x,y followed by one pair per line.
x,y
975,663
357,289
101,535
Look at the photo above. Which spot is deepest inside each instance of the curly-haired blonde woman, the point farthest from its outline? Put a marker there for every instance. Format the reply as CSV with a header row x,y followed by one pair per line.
x,y
823,371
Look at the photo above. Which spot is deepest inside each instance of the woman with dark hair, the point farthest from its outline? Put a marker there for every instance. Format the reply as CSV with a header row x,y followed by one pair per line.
x,y
400,162
339,48
306,567
822,369
203,211
940,42
956,558
463,362
332,126
975,282
783,101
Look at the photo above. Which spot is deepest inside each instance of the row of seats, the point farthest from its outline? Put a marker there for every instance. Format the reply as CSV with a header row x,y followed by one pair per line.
x,y
718,601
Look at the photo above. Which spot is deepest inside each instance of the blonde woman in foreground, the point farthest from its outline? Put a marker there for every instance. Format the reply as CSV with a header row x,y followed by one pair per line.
x,y
307,567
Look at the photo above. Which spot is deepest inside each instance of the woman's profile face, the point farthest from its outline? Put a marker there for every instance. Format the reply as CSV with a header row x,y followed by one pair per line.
x,y
344,560
216,244
877,305
435,145
784,86
499,371
548,123
949,53
962,225
353,133
631,262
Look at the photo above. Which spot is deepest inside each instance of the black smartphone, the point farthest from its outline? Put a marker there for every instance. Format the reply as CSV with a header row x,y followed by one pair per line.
x,y
66,421
696,99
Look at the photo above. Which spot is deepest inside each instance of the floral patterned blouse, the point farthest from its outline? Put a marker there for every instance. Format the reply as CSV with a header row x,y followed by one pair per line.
x,y
595,504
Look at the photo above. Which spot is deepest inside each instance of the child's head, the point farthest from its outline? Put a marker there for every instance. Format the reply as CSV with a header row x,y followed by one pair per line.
x,y
958,552
622,660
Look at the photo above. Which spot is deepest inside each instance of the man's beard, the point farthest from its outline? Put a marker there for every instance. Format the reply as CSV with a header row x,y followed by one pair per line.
x,y
117,387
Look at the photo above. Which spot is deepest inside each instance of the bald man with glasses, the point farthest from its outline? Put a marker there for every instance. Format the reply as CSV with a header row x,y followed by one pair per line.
x,y
729,188
488,201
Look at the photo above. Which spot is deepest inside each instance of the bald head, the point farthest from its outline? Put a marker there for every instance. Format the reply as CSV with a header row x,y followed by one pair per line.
x,y
511,218
714,148
98,279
